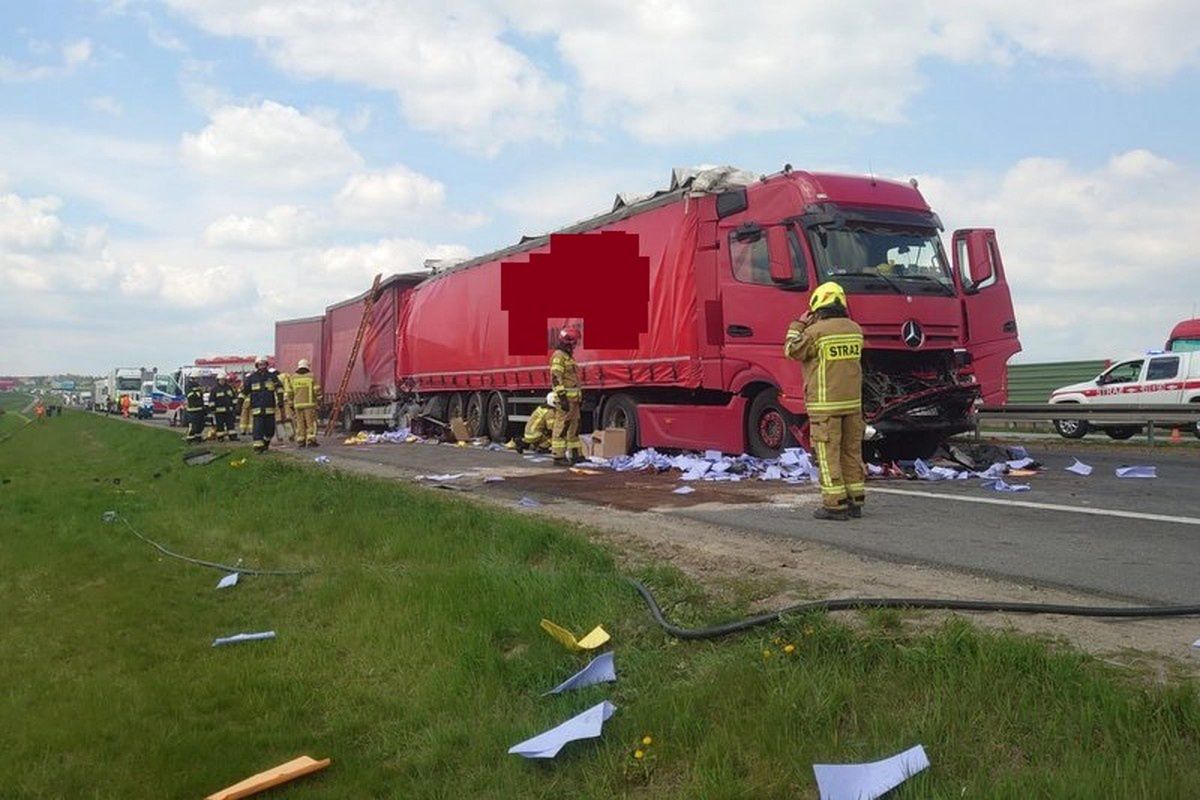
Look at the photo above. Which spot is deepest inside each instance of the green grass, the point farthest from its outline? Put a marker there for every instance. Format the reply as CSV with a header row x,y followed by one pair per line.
x,y
12,403
413,658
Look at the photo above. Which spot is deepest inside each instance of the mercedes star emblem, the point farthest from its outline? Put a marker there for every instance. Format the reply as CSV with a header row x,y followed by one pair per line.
x,y
912,334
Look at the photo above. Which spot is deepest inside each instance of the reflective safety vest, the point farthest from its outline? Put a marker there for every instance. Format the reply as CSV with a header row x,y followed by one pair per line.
x,y
195,399
305,391
221,398
261,389
540,424
830,352
564,374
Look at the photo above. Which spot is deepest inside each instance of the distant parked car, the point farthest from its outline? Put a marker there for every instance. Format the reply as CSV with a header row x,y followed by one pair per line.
x,y
1154,379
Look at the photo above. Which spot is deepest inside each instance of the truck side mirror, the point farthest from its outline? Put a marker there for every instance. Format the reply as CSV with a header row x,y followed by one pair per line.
x,y
779,255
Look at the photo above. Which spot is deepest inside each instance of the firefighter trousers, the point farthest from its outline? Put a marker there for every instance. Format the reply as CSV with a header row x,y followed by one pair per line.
x,y
195,420
225,424
837,442
264,430
565,437
244,418
305,422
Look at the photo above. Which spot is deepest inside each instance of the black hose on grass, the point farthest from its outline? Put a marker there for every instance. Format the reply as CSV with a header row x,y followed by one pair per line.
x,y
202,562
911,603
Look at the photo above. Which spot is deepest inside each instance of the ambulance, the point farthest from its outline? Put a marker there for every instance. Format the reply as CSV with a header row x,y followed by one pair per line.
x,y
1156,378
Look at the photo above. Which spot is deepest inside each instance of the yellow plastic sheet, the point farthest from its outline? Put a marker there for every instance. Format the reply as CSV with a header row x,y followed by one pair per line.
x,y
296,768
597,637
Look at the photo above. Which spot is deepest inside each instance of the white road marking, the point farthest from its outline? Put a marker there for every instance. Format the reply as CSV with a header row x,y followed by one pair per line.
x,y
999,501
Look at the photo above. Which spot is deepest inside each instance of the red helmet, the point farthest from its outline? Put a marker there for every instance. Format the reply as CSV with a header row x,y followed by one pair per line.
x,y
568,336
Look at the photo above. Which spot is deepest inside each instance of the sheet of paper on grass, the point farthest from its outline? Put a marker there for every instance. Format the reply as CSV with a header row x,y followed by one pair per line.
x,y
683,490
597,637
229,580
587,725
1140,471
601,669
528,502
296,768
243,637
1079,468
868,781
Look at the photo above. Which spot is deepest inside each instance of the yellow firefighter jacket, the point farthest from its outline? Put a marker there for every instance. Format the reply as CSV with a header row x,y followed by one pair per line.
x,y
540,425
564,374
304,391
830,352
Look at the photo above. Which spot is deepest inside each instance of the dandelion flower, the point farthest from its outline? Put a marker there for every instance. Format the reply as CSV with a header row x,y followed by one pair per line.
x,y
789,648
639,754
766,653
646,740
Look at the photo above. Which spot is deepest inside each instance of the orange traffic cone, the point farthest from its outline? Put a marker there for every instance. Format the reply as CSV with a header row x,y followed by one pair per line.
x,y
1175,437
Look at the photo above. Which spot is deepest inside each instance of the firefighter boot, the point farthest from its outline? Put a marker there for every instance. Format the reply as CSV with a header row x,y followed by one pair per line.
x,y
838,514
854,510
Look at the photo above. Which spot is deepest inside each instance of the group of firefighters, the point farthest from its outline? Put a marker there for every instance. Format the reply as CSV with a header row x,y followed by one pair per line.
x,y
826,342
828,345
266,400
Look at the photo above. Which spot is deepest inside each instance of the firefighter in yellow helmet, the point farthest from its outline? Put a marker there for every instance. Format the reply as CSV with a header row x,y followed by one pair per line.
x,y
564,375
539,430
303,396
828,345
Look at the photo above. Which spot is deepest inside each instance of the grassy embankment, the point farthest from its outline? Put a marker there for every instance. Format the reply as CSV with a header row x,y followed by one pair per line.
x,y
413,658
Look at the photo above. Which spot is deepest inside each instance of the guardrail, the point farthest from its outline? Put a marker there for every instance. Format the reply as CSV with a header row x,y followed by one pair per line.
x,y
1146,416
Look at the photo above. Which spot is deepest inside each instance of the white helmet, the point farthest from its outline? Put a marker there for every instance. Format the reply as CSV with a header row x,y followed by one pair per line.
x,y
222,375
552,400
303,364
260,360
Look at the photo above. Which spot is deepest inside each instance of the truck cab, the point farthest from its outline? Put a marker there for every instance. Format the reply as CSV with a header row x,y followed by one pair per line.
x,y
1155,378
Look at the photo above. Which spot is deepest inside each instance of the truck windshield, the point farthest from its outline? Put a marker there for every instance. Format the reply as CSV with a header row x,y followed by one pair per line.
x,y
866,258
1188,345
129,384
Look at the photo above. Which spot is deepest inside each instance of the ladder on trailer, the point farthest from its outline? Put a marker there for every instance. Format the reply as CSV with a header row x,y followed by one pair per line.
x,y
339,400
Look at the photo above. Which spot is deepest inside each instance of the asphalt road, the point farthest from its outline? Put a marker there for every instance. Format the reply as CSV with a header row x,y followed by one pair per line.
x,y
1134,539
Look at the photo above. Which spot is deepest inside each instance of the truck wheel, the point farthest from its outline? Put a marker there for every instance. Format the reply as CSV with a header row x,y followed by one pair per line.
x,y
497,418
1071,428
476,423
767,425
349,423
1122,433
456,407
620,411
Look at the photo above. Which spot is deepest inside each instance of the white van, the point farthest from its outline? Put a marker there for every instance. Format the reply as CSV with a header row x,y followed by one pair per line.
x,y
1155,379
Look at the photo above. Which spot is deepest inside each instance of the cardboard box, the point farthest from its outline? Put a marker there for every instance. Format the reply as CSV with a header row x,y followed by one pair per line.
x,y
608,443
459,428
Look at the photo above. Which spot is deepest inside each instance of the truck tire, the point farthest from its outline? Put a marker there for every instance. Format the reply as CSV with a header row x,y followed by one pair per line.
x,y
767,430
348,423
474,417
620,411
497,418
1123,432
456,406
1072,428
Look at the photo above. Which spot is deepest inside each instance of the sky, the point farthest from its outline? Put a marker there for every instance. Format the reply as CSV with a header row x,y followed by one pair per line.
x,y
176,175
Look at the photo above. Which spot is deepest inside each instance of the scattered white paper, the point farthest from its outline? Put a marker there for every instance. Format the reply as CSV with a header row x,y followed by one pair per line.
x,y
1020,463
1017,451
683,490
1079,468
439,478
773,473
321,459
587,725
874,469
229,580
712,455
999,485
493,479
1141,471
600,670
528,502
868,781
1196,643
242,637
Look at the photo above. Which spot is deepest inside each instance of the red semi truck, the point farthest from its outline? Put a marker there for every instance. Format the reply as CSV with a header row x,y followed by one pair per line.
x,y
731,264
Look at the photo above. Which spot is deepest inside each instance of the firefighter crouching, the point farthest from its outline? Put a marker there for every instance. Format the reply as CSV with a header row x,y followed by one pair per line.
x,y
222,399
564,375
539,430
195,412
261,391
828,345
302,394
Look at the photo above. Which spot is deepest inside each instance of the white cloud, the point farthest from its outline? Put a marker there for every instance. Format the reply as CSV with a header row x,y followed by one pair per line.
x,y
71,56
449,65
106,105
269,144
281,226
386,255
1100,260
29,224
559,198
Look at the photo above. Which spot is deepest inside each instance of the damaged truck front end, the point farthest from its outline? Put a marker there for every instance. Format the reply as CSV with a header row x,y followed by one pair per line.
x,y
916,400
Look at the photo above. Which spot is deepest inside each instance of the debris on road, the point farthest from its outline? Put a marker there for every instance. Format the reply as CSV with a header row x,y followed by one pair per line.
x,y
1079,468
198,458
528,502
229,580
493,479
587,725
871,780
599,670
683,490
243,637
276,776
322,459
597,637
1000,485
793,465
438,478
1138,471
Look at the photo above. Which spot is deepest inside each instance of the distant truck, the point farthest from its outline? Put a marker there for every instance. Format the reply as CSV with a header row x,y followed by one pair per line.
x,y
120,382
1185,338
1155,378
